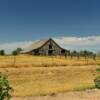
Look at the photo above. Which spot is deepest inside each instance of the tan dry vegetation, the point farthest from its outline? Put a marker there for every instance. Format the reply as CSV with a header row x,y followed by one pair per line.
x,y
47,80
29,77
44,61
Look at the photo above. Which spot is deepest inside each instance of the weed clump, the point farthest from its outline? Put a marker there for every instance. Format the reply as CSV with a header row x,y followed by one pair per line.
x,y
97,80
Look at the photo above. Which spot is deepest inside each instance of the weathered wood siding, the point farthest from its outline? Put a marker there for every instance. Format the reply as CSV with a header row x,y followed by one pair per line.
x,y
55,48
44,50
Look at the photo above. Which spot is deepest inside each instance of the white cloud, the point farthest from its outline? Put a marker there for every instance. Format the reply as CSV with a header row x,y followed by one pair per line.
x,y
90,40
91,43
71,43
8,47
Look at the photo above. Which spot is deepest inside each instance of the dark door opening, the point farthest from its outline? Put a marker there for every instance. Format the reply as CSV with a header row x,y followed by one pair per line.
x,y
36,52
62,52
50,46
50,52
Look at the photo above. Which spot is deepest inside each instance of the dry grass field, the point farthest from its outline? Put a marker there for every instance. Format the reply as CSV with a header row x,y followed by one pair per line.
x,y
44,61
33,76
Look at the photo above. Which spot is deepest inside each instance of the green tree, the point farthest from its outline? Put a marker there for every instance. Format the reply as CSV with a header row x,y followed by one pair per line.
x,y
14,53
74,53
2,52
5,88
18,50
84,53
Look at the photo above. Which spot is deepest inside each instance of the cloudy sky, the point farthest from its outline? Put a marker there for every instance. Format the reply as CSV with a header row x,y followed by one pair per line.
x,y
74,24
91,43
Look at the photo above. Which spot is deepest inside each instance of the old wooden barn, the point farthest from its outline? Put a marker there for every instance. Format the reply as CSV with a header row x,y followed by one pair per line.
x,y
45,47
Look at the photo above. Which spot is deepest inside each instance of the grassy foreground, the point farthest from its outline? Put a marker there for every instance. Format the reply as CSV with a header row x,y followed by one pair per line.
x,y
48,80
31,80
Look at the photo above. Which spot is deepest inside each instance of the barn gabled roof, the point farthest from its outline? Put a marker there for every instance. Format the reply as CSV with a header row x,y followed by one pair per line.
x,y
35,45
38,44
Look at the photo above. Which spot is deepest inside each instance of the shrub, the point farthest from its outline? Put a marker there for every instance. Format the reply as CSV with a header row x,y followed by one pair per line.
x,y
97,82
5,88
98,69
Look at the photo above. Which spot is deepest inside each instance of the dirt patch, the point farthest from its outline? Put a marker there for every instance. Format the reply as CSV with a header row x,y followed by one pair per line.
x,y
80,95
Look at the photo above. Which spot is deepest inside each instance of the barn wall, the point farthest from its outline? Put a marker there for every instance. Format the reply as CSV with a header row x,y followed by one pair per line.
x,y
56,49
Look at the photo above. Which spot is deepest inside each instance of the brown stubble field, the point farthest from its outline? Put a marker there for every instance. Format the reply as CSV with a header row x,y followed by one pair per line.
x,y
34,76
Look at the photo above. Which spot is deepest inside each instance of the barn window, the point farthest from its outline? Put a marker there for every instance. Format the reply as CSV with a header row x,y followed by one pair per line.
x,y
50,46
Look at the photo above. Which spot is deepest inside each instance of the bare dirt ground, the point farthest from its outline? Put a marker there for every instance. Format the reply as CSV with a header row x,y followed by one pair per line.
x,y
80,95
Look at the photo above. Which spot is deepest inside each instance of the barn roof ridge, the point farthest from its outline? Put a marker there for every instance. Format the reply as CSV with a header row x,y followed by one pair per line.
x,y
36,44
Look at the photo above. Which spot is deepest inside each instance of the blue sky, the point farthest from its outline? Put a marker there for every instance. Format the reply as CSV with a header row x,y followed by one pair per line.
x,y
27,20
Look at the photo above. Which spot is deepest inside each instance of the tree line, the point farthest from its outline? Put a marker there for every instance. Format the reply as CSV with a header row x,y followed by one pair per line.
x,y
14,52
86,54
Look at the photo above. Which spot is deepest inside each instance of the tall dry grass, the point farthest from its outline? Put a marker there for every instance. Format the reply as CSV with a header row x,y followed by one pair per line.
x,y
39,75
46,61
